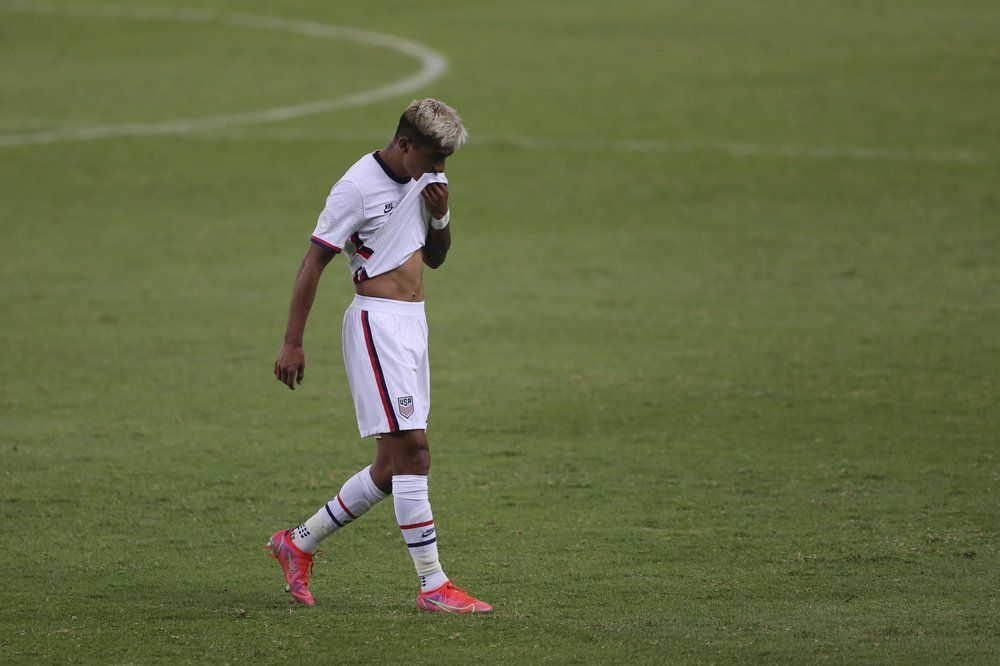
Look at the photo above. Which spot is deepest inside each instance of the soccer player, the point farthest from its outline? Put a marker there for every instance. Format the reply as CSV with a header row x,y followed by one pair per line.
x,y
389,215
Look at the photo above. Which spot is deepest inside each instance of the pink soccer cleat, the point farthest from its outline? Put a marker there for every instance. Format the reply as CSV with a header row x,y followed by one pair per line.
x,y
450,599
296,564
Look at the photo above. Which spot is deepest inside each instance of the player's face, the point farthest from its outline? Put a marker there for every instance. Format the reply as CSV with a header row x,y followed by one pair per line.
x,y
419,159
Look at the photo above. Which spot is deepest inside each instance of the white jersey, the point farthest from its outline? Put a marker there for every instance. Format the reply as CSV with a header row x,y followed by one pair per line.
x,y
377,219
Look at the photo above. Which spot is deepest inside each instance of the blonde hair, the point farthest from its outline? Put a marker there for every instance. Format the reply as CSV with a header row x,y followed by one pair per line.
x,y
432,121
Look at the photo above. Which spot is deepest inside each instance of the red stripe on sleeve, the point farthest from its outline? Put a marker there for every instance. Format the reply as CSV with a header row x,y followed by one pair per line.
x,y
322,243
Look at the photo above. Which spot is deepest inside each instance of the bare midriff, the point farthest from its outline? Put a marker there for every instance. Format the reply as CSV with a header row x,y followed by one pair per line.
x,y
404,283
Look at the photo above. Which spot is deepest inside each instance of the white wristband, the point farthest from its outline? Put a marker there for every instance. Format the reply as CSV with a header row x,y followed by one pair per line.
x,y
443,222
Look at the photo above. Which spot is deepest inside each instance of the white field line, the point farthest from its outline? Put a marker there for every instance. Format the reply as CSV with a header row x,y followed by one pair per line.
x,y
432,66
630,146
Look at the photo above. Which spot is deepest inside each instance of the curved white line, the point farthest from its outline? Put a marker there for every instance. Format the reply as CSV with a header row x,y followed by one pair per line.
x,y
433,66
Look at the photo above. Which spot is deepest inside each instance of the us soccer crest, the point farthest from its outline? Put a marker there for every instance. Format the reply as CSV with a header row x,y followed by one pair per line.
x,y
406,406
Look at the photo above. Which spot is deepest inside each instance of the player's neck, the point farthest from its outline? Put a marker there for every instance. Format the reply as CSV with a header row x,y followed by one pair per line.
x,y
392,157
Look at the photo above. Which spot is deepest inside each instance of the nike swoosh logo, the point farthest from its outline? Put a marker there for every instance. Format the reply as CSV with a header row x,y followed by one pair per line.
x,y
452,609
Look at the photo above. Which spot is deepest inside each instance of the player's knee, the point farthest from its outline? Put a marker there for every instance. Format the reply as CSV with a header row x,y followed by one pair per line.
x,y
410,452
419,464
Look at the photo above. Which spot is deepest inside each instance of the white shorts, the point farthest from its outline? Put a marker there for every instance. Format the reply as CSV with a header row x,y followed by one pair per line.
x,y
385,353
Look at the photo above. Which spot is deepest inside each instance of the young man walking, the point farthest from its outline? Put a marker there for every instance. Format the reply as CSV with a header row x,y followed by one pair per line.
x,y
389,215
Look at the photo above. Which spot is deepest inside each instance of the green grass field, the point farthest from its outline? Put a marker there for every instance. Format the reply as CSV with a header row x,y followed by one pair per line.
x,y
716,353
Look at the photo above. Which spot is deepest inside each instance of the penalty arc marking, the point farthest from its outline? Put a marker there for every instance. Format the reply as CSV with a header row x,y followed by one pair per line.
x,y
433,65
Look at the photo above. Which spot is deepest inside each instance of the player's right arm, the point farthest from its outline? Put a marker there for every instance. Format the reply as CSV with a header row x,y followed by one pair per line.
x,y
341,216
290,366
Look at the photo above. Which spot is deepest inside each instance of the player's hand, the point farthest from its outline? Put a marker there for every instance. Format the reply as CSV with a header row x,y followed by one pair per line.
x,y
436,197
290,366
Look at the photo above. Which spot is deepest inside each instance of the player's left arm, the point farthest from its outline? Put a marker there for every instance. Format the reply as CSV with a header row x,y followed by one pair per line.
x,y
438,239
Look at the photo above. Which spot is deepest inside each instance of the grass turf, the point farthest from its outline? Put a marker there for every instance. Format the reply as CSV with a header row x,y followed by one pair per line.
x,y
692,404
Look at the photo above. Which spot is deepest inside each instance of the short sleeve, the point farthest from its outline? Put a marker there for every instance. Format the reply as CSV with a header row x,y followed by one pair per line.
x,y
343,214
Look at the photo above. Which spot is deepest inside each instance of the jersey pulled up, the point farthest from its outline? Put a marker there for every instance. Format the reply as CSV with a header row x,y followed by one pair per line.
x,y
375,218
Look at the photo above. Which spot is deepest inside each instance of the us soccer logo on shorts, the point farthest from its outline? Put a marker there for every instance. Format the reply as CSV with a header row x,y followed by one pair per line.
x,y
406,406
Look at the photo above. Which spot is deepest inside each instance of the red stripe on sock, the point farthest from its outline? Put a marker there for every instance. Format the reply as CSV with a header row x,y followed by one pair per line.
x,y
346,510
416,525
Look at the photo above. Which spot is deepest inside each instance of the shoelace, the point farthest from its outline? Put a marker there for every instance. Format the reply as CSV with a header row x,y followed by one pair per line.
x,y
310,561
451,587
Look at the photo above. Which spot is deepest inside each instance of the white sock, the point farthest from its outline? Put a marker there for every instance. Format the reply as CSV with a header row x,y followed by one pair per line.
x,y
358,495
413,513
